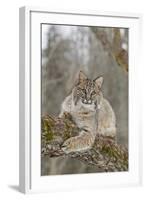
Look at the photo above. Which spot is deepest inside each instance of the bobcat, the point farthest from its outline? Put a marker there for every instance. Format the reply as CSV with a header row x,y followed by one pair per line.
x,y
91,112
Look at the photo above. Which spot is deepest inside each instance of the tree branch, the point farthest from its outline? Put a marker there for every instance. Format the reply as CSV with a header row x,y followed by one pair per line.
x,y
105,154
114,48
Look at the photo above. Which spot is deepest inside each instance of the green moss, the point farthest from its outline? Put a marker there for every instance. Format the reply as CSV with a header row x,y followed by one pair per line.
x,y
47,125
110,151
67,131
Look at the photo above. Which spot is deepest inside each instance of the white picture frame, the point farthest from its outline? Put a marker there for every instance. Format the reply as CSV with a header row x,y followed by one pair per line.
x,y
30,178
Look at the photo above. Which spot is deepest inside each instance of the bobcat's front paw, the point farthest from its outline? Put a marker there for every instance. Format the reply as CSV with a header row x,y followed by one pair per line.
x,y
70,145
78,143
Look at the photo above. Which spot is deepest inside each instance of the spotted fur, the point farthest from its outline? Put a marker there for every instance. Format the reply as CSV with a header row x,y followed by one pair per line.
x,y
91,112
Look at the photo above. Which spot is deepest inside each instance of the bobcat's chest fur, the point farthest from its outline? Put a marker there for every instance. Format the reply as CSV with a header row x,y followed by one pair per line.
x,y
84,116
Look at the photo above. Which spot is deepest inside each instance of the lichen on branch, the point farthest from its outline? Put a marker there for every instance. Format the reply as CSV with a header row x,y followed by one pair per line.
x,y
105,154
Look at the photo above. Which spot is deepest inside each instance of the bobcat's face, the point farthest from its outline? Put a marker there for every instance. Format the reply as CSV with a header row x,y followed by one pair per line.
x,y
88,91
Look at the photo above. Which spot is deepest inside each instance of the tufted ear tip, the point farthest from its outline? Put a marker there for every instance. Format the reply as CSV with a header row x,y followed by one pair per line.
x,y
82,76
99,81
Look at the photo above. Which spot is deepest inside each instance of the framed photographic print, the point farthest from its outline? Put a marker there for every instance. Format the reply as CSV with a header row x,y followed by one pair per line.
x,y
79,114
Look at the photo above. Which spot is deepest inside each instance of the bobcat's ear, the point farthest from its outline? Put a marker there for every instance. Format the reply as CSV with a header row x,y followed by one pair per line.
x,y
99,81
82,76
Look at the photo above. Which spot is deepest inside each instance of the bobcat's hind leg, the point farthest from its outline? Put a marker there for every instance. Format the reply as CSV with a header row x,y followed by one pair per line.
x,y
109,132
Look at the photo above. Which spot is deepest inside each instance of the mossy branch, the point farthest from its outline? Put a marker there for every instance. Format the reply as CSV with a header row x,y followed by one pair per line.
x,y
105,154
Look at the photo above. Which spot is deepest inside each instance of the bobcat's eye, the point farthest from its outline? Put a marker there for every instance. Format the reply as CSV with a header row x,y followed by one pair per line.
x,y
93,93
83,91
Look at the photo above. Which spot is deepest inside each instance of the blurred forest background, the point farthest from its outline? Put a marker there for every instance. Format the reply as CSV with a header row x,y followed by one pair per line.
x,y
96,51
